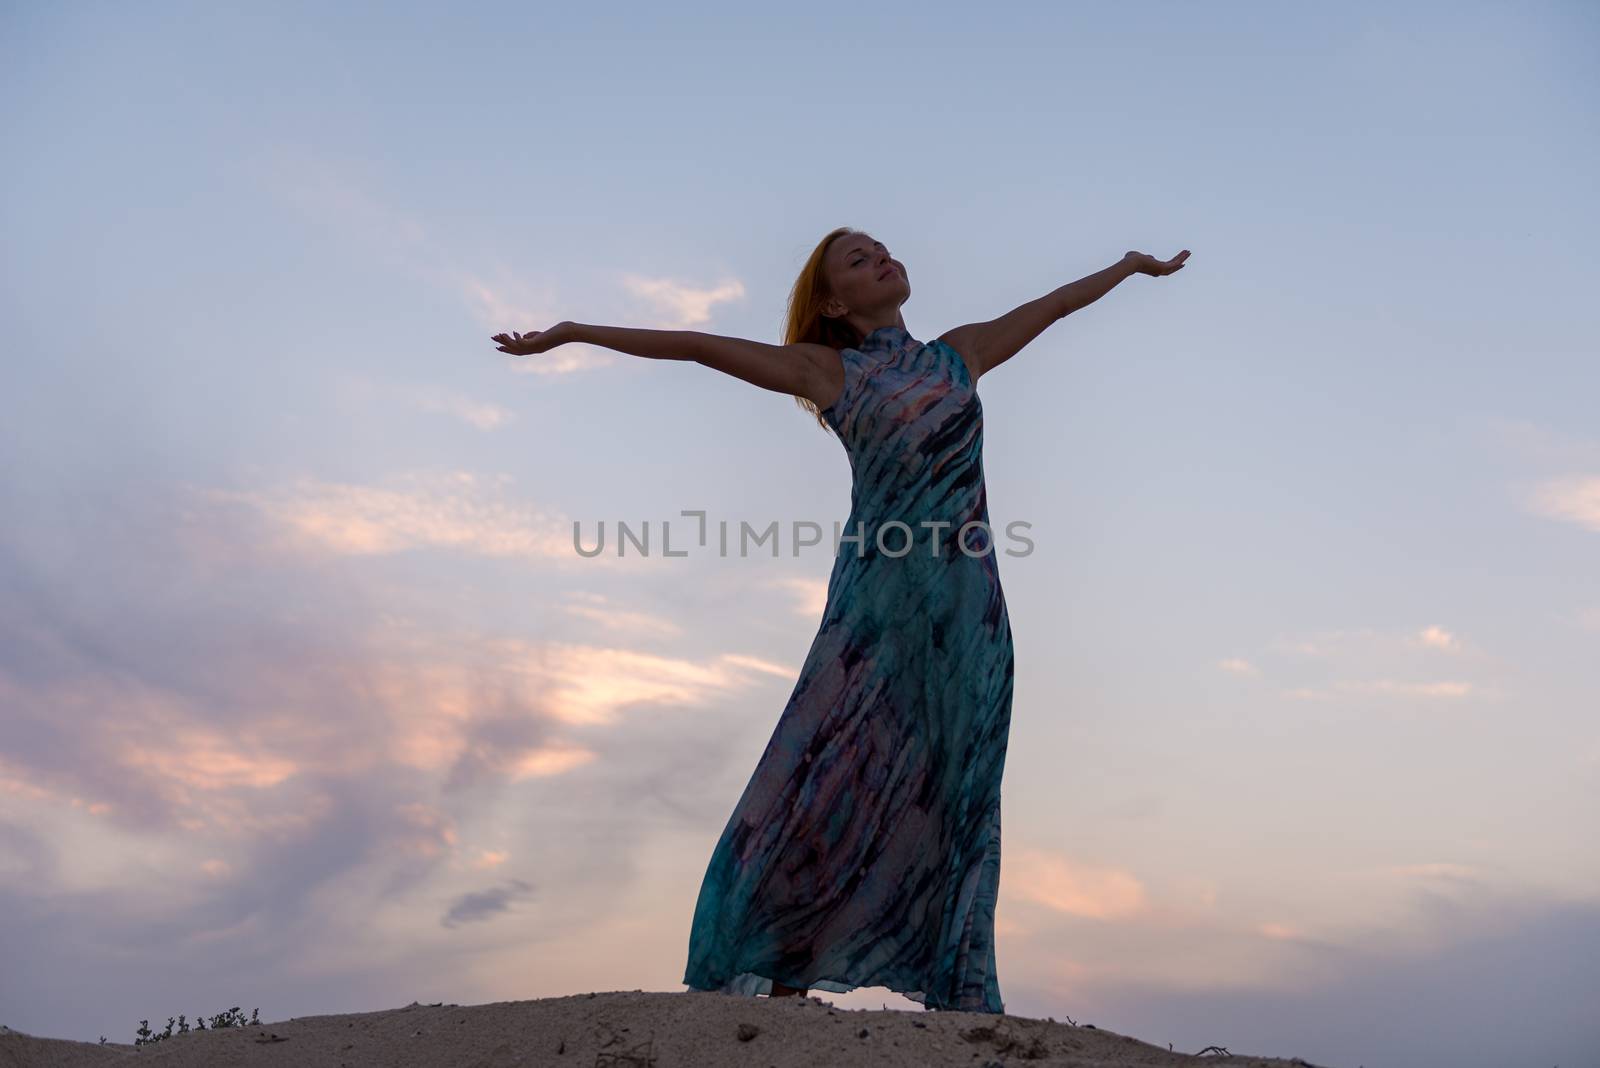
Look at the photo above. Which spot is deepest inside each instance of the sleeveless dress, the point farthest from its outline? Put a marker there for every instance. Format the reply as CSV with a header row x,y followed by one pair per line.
x,y
865,850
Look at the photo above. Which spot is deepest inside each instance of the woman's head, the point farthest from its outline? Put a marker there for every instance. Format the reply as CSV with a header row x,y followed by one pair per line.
x,y
849,286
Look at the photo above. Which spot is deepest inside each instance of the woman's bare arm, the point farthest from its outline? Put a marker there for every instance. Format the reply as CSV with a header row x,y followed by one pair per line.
x,y
804,369
987,345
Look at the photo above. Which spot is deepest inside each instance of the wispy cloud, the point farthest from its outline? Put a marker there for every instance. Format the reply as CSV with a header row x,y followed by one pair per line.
x,y
1049,879
765,667
681,305
484,904
1435,690
1442,689
480,414
1356,651
587,685
1435,637
1446,871
308,784
341,202
1569,499
810,595
1573,496
459,510
603,611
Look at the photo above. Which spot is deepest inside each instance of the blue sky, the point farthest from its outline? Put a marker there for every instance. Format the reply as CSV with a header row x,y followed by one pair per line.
x,y
306,701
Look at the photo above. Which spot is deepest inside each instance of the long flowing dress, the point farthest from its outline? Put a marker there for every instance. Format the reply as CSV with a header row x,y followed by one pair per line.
x,y
865,850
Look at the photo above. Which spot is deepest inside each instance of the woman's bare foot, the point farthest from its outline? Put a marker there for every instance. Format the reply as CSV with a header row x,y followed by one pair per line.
x,y
779,990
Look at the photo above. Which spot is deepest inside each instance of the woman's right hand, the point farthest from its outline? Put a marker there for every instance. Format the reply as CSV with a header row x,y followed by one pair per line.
x,y
535,341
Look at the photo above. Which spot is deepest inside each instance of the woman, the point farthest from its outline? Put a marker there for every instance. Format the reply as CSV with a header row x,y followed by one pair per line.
x,y
865,849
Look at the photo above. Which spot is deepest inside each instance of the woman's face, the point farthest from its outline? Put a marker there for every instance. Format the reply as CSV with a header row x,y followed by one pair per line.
x,y
864,278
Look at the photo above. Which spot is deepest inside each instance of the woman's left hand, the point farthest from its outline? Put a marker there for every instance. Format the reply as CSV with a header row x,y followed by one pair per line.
x,y
1144,263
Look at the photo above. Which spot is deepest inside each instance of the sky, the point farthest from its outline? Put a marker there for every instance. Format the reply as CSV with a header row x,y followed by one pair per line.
x,y
307,702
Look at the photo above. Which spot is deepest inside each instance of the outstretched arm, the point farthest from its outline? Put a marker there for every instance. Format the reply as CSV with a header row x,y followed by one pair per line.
x,y
805,369
987,345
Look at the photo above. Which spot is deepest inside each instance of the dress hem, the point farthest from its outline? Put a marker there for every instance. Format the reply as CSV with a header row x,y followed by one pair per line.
x,y
755,984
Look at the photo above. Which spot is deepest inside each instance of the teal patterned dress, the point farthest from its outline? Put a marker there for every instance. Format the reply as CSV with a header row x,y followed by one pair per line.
x,y
865,850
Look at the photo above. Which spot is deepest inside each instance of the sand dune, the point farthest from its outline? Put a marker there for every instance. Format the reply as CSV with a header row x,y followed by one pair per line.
x,y
634,1029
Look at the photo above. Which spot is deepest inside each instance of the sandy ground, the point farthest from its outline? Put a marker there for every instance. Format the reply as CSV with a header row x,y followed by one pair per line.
x,y
634,1029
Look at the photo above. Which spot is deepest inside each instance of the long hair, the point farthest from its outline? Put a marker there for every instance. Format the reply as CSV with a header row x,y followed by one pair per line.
x,y
804,320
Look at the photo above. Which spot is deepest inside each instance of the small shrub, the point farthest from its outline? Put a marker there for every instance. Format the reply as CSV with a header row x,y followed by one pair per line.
x,y
231,1018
